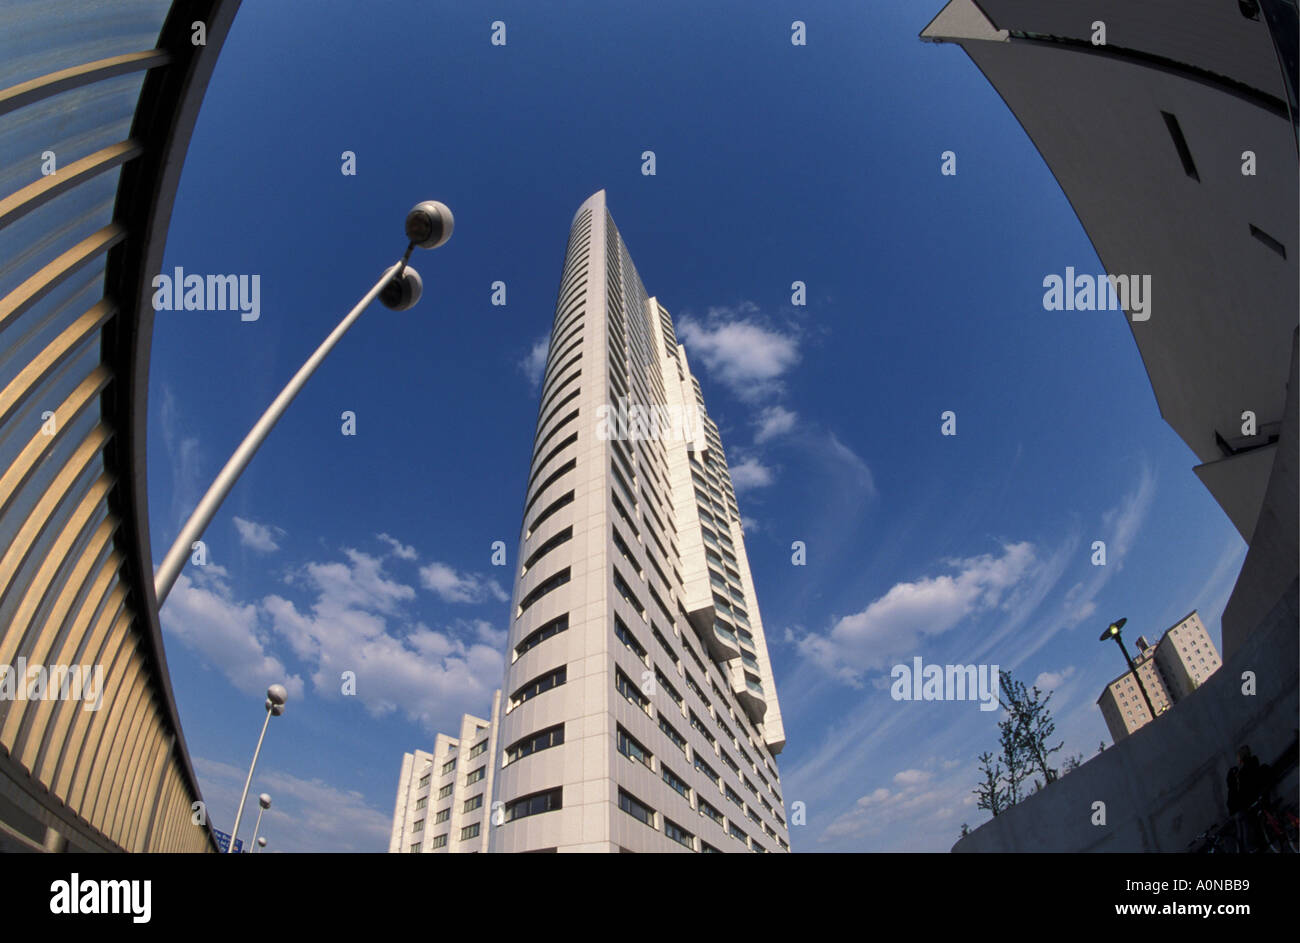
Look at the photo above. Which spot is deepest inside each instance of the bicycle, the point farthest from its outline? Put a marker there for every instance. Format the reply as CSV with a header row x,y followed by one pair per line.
x,y
1279,830
1217,839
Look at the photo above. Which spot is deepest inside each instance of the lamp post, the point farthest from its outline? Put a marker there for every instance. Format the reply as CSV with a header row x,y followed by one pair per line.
x,y
275,697
264,801
261,843
428,225
1112,631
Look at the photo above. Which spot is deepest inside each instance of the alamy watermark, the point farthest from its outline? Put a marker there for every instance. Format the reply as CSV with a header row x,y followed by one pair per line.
x,y
921,682
637,423
23,682
181,292
1084,292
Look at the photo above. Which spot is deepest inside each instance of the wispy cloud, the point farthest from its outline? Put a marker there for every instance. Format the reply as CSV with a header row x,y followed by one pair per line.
x,y
452,586
259,537
772,422
750,474
204,615
306,815
534,365
895,624
400,550
740,350
184,457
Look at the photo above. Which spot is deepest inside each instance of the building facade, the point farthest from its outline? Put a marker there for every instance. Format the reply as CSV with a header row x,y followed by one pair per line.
x,y
640,712
1170,670
112,92
1170,126
444,798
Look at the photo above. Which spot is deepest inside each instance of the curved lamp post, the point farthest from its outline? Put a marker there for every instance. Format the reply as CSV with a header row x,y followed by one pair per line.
x,y
275,697
428,225
1112,631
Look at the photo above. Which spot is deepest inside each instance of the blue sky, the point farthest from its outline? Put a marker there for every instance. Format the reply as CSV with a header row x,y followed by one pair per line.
x,y
775,163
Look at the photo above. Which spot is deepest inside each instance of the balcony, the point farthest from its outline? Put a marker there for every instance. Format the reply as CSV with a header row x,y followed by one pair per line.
x,y
748,691
721,641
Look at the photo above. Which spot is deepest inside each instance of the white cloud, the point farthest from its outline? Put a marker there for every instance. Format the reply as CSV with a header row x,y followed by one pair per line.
x,y
457,587
400,550
305,815
919,805
354,625
750,474
749,525
895,624
534,365
257,536
1051,680
739,351
203,614
911,777
772,422
184,455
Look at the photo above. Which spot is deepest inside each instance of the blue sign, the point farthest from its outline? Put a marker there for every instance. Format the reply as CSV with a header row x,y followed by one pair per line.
x,y
223,842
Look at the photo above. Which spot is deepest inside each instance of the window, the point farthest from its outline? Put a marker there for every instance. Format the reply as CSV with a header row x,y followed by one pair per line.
x,y
421,803
534,804
738,833
547,586
479,748
539,685
442,816
708,771
535,742
439,841
415,847
636,808
445,791
544,549
448,766
633,750
630,691
629,640
472,803
733,795
699,725
709,811
623,590
418,826
475,776
667,686
678,740
536,637
424,780
469,831
706,848
672,779
679,834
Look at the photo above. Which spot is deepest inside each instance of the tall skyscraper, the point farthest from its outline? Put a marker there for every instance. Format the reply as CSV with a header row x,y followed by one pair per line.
x,y
640,711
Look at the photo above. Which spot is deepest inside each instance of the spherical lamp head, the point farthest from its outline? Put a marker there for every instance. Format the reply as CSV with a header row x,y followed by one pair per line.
x,y
429,224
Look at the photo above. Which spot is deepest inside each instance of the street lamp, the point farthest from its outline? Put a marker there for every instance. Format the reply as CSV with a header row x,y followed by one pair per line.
x,y
265,802
261,843
428,225
1112,631
275,698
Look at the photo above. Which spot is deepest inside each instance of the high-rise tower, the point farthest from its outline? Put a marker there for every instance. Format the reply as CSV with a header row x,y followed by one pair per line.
x,y
640,712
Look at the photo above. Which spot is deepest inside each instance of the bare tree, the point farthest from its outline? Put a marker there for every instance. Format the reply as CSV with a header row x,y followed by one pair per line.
x,y
991,794
1030,720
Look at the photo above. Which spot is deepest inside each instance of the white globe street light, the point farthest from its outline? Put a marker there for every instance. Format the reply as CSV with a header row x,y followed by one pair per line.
x,y
275,698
